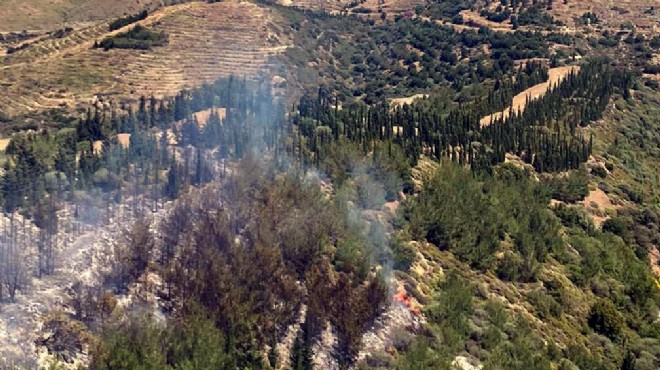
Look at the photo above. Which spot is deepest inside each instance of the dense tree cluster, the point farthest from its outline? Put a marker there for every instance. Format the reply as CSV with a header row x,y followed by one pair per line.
x,y
137,37
472,218
398,58
544,134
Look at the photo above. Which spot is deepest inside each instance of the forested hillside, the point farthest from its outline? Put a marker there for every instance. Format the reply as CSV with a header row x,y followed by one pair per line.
x,y
395,189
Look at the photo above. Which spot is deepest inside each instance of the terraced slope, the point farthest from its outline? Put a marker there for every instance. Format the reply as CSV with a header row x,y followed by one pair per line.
x,y
318,5
19,15
206,41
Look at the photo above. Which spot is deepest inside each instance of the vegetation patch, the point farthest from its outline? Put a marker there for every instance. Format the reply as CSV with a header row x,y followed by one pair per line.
x,y
125,21
138,37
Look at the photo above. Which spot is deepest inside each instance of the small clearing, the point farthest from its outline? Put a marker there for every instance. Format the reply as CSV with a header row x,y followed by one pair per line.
x,y
97,148
597,203
654,258
409,100
556,75
474,18
124,140
202,117
4,143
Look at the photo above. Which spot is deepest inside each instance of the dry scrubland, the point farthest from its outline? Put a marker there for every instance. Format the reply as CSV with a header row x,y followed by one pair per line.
x,y
388,6
206,41
611,13
19,15
320,5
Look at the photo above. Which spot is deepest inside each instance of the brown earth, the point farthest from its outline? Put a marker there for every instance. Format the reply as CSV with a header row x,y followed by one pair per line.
x,y
597,203
4,143
408,100
206,41
124,140
202,117
534,92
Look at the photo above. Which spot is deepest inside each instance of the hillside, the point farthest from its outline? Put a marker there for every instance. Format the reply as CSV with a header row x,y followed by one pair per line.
x,y
321,184
48,15
233,38
643,14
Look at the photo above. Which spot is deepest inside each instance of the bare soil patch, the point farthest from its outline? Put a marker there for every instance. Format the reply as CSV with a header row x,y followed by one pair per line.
x,y
611,14
597,203
4,143
654,260
124,140
202,117
409,100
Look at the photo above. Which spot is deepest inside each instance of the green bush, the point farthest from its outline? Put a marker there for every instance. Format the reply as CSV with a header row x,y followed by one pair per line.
x,y
546,306
125,21
605,319
137,38
574,216
453,304
404,255
570,189
599,171
618,226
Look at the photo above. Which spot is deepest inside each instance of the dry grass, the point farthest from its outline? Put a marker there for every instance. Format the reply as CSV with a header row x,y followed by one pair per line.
x,y
319,5
97,148
654,259
124,140
390,7
409,100
612,14
202,117
19,15
534,92
4,143
598,203
475,18
206,41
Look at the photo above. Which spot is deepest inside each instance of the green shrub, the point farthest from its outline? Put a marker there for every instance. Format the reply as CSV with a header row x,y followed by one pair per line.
x,y
404,255
599,171
453,304
618,226
605,319
125,21
571,188
137,38
572,216
545,305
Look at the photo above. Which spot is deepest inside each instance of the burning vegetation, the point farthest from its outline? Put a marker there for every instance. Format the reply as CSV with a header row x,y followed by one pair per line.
x,y
402,297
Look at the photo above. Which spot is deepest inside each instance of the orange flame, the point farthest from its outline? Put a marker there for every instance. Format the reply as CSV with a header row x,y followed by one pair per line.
x,y
403,297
